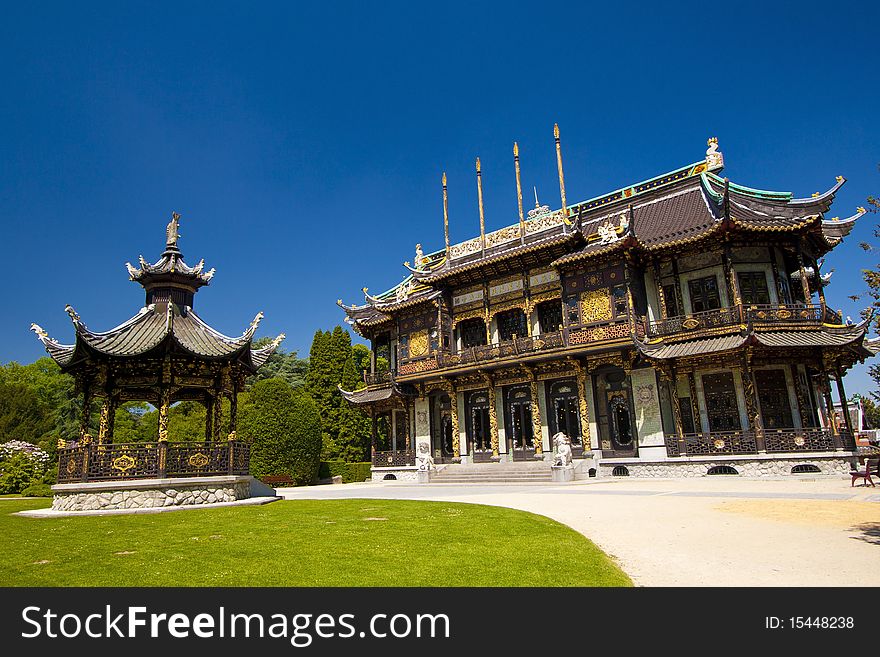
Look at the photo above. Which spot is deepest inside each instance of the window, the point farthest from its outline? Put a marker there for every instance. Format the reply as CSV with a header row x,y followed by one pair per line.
x,y
671,297
721,406
571,304
773,397
472,332
704,294
510,323
403,347
753,287
550,316
618,299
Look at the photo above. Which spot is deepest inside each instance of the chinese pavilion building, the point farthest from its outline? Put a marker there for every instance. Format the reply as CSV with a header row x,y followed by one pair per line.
x,y
676,326
164,354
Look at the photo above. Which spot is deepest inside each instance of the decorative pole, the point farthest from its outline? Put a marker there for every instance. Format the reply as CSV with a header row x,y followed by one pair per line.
x,y
561,175
522,223
480,200
445,216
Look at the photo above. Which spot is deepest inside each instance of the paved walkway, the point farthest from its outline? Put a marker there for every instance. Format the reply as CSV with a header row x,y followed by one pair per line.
x,y
718,531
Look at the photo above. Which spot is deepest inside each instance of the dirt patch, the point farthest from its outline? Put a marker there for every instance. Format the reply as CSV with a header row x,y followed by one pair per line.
x,y
844,514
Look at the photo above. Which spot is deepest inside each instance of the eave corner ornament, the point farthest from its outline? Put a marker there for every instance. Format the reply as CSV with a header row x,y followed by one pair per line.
x,y
714,157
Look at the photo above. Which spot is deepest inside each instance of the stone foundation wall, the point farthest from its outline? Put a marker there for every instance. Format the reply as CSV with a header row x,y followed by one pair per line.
x,y
142,495
400,474
838,465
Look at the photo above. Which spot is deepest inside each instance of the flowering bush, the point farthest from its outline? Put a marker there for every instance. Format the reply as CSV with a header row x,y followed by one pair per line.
x,y
21,464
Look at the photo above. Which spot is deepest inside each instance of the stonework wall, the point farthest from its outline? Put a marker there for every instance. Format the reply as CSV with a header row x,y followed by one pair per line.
x,y
410,474
150,498
747,468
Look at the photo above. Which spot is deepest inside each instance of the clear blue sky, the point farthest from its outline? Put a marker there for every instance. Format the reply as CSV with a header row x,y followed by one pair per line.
x,y
303,142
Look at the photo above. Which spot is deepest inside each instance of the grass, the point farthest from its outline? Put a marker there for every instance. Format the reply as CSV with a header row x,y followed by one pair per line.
x,y
301,543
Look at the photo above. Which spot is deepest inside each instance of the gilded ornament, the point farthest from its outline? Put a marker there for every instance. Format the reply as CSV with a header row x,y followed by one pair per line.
x,y
418,344
690,323
596,306
718,443
123,463
198,460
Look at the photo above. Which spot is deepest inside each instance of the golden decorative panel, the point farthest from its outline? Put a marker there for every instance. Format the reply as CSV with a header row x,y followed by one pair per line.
x,y
198,460
418,344
123,463
596,305
470,314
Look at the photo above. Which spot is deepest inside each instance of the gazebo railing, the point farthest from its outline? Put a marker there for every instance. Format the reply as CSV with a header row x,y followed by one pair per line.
x,y
125,461
772,441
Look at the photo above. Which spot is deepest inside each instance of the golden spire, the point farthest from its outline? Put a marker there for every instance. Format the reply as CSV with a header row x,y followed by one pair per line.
x,y
480,200
522,224
561,175
445,215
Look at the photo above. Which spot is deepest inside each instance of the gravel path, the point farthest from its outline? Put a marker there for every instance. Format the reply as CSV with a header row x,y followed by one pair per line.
x,y
691,532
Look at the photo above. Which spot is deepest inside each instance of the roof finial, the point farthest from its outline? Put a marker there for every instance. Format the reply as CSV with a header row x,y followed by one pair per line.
x,y
172,233
445,215
714,157
522,222
561,175
480,201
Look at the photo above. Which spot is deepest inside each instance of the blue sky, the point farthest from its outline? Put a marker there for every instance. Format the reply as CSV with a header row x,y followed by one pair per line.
x,y
303,143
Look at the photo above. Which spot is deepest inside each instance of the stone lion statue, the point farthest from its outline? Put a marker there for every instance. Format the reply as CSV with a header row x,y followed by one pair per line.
x,y
562,445
424,460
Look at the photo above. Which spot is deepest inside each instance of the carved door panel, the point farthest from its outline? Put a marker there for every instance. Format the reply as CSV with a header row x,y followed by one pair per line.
x,y
773,397
564,413
478,431
518,423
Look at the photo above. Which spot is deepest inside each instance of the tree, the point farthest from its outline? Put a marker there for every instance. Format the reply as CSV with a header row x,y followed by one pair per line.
x,y
282,365
285,429
872,278
353,441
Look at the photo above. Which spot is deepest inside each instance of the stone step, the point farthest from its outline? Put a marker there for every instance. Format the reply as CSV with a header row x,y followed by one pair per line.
x,y
492,480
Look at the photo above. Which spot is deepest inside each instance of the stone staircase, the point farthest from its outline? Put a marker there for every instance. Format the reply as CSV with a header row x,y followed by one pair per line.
x,y
494,473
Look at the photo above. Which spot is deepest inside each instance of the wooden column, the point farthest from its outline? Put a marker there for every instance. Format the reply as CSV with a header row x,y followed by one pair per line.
x,y
847,420
164,406
85,415
537,436
829,404
209,419
108,420
776,280
695,403
374,436
218,414
233,410
661,295
679,300
805,284
799,395
676,409
733,294
583,407
453,413
493,414
820,286
752,408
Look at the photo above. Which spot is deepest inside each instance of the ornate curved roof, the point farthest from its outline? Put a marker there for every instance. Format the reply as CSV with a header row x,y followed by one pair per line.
x,y
170,268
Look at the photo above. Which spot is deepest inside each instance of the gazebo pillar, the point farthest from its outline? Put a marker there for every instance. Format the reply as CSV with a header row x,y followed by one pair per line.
x,y
209,418
85,416
218,414
847,420
233,410
108,419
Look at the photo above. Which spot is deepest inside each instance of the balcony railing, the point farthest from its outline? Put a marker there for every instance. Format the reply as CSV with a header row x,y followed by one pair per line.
x,y
748,442
378,378
733,317
123,461
397,458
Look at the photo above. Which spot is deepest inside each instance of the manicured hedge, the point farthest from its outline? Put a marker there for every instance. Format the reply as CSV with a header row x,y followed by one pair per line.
x,y
350,472
285,429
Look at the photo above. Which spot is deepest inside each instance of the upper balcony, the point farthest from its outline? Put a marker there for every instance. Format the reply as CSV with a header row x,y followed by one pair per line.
x,y
741,317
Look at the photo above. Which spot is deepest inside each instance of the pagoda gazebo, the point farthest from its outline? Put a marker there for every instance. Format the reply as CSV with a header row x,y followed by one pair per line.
x,y
164,354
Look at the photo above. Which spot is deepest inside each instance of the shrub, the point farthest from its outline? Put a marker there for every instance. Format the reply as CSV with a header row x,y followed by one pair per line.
x,y
285,430
37,490
21,464
350,472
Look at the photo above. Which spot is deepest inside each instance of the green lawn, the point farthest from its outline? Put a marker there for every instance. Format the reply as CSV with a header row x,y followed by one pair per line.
x,y
301,543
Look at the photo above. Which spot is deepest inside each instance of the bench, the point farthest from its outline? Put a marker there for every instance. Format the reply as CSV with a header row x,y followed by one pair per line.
x,y
865,475
277,480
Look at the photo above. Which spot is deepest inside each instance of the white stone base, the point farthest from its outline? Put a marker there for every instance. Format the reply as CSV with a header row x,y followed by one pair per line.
x,y
402,473
760,465
150,493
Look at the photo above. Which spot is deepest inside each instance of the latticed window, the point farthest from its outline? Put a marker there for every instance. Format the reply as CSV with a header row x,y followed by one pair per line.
x,y
472,332
550,316
671,297
618,298
573,309
510,323
721,406
753,287
704,294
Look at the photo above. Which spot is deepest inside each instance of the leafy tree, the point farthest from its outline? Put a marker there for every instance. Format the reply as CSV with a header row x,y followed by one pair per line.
x,y
285,429
282,365
353,440
872,278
